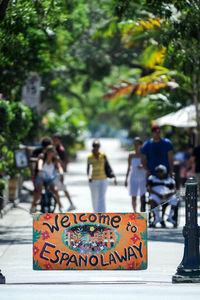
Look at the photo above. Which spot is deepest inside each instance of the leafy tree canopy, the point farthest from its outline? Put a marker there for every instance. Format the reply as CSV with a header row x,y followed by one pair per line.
x,y
146,51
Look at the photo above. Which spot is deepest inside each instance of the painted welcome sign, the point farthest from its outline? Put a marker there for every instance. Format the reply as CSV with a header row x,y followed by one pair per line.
x,y
105,241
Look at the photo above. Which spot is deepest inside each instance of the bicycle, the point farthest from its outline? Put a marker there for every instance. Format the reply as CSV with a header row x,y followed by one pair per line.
x,y
48,200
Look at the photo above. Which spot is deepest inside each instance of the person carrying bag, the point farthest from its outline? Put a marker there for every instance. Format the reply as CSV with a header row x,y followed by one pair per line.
x,y
101,170
108,169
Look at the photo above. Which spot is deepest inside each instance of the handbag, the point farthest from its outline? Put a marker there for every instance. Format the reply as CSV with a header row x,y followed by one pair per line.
x,y
108,169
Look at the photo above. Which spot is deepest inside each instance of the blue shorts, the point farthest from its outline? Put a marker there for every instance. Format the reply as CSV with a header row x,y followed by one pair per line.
x,y
40,180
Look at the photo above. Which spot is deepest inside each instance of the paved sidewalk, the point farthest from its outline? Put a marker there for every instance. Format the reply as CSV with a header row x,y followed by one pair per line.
x,y
165,250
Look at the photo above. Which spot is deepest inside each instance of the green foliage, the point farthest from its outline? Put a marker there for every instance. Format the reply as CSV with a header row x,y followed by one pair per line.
x,y
5,116
36,265
81,47
36,235
143,265
70,125
14,128
20,123
144,237
2,185
180,34
27,41
7,164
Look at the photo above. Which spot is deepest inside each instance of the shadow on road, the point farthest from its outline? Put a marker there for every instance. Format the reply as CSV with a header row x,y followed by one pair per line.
x,y
15,235
17,241
166,235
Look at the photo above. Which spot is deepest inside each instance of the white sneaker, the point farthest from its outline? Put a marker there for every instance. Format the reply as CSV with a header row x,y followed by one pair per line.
x,y
170,220
72,207
157,220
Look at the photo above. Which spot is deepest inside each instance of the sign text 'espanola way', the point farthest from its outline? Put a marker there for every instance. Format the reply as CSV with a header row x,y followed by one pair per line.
x,y
104,241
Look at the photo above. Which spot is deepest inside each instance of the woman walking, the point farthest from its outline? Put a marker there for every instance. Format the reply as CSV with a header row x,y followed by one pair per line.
x,y
136,182
97,178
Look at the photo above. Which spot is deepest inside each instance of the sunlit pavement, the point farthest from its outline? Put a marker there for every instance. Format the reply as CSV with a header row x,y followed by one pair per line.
x,y
165,248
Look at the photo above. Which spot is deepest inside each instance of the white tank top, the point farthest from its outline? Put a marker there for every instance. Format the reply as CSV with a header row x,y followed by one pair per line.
x,y
139,174
49,169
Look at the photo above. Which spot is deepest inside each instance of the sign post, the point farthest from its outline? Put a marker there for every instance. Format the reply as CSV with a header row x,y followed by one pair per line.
x,y
31,91
90,241
189,269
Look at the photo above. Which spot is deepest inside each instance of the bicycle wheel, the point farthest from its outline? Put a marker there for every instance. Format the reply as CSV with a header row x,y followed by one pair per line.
x,y
45,203
51,202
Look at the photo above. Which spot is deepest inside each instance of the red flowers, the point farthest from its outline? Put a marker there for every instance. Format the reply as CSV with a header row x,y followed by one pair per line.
x,y
35,250
135,238
47,217
45,235
133,217
131,266
48,266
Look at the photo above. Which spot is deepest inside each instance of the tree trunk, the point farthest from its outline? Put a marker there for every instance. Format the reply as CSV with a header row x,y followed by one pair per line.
x,y
3,7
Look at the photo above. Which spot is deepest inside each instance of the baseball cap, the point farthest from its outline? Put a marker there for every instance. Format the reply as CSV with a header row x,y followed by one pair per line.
x,y
161,167
155,128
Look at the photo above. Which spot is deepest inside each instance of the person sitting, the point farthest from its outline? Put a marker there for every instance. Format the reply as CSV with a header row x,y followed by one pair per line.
x,y
162,189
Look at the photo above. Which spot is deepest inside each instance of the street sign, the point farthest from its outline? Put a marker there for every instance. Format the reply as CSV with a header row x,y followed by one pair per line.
x,y
91,241
21,159
31,91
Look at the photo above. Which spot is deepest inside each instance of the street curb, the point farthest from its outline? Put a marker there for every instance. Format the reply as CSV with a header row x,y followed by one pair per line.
x,y
8,207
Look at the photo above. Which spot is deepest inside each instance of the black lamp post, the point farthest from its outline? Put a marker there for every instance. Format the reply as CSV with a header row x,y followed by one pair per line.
x,y
2,279
189,268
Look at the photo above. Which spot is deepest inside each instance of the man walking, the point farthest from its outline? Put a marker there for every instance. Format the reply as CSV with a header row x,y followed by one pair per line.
x,y
60,150
62,160
157,151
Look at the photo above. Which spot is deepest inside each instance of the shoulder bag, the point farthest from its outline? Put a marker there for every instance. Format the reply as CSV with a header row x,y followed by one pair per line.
x,y
108,169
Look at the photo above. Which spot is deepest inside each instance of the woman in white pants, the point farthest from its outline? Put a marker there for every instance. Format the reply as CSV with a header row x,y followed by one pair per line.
x,y
98,179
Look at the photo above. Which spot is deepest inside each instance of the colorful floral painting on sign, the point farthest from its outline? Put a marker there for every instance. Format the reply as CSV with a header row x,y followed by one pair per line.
x,y
91,241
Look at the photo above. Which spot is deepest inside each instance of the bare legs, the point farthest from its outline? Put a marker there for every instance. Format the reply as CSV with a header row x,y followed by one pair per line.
x,y
68,197
142,203
134,203
36,195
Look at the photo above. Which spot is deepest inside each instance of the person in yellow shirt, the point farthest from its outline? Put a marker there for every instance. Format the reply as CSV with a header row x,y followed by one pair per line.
x,y
97,178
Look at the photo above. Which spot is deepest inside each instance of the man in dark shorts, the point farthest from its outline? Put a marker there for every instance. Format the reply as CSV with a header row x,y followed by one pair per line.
x,y
63,161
